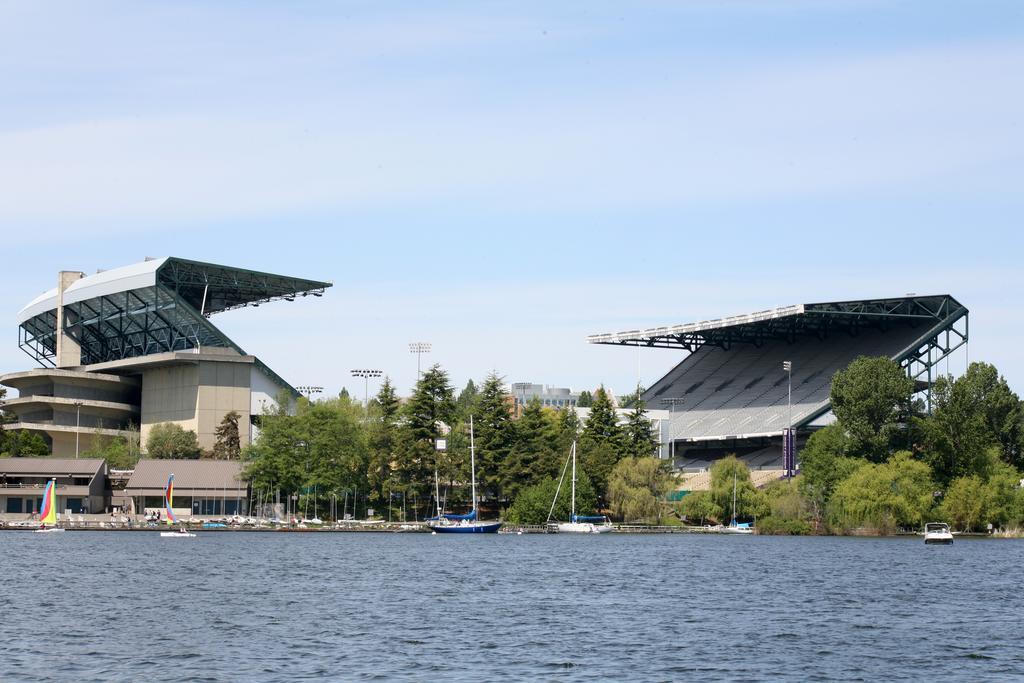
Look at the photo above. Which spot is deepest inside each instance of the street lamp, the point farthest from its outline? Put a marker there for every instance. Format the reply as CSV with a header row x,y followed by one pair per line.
x,y
308,390
366,375
789,443
419,348
671,440
78,425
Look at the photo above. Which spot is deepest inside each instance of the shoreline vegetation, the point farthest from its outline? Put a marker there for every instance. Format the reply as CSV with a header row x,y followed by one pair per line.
x,y
891,461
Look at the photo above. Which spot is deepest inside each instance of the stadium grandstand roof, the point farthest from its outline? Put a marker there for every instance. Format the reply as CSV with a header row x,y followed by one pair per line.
x,y
732,385
156,306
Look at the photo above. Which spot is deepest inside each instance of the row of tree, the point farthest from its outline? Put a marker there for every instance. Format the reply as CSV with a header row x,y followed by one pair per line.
x,y
888,462
388,450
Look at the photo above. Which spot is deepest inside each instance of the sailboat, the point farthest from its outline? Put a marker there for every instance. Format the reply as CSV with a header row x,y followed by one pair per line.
x,y
48,510
578,524
734,527
467,523
171,517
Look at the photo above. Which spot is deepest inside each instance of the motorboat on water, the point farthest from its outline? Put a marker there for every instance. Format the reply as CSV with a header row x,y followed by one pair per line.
x,y
937,533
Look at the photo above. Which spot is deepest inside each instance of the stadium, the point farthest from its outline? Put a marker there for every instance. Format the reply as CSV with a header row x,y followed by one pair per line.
x,y
732,393
134,347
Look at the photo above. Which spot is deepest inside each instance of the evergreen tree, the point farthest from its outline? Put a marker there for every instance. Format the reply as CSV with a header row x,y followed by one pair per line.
x,y
534,454
428,413
585,400
228,445
639,436
494,437
383,438
467,399
600,445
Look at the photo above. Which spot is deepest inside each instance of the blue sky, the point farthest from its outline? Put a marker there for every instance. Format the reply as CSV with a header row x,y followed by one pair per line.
x,y
503,179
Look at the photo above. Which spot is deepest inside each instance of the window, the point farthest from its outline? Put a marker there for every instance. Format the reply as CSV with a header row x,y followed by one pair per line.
x,y
14,505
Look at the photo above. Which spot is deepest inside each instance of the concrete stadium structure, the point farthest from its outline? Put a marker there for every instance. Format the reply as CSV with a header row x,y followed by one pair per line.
x,y
731,393
134,346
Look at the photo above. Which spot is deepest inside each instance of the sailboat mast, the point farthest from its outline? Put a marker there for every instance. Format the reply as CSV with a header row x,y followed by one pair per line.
x,y
734,497
472,460
572,505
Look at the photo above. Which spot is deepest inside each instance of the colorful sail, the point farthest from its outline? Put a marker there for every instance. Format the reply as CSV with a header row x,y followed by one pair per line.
x,y
48,510
169,500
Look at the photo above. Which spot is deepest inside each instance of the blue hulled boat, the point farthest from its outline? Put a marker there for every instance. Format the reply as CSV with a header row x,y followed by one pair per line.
x,y
467,523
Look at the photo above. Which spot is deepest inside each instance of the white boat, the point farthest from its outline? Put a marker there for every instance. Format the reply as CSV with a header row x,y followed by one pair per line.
x,y
937,533
48,510
578,524
734,527
180,533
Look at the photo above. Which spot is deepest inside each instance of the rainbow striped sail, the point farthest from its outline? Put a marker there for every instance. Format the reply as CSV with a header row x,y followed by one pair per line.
x,y
48,510
169,500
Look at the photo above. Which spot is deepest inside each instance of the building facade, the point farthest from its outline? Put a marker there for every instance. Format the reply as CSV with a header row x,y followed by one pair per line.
x,y
133,347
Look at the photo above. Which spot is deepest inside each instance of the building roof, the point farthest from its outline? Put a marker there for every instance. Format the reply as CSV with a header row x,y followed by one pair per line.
x,y
54,466
195,476
158,306
789,322
733,384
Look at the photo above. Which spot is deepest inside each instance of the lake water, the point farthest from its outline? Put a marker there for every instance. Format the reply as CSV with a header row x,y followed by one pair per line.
x,y
83,606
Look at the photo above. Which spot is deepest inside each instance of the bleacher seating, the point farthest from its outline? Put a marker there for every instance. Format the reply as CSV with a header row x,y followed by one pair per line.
x,y
742,392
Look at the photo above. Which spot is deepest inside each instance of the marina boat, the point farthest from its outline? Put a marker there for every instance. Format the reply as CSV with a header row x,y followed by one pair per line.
x,y
578,524
467,523
171,517
48,510
937,533
734,527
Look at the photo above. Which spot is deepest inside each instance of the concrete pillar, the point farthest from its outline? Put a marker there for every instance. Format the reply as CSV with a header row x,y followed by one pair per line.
x,y
69,353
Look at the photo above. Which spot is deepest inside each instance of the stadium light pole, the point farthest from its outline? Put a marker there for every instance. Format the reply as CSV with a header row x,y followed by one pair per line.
x,y
78,425
671,436
788,367
366,375
419,348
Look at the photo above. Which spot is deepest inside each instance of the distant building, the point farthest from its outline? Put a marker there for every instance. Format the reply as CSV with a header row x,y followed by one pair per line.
x,y
134,346
80,484
201,487
550,397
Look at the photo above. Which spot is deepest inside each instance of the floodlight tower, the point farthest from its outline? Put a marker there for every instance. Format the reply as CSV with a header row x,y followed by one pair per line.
x,y
419,348
671,402
366,375
789,443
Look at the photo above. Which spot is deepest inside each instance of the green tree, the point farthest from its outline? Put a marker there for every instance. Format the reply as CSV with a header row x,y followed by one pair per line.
x,y
871,399
467,400
1005,496
823,464
532,505
886,496
383,438
427,413
170,440
637,489
965,504
228,445
971,414
585,400
600,445
639,437
494,434
631,399
534,452
22,443
701,505
120,452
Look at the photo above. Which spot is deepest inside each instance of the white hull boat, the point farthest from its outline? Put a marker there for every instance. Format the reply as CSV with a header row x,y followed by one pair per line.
x,y
49,530
583,528
937,533
177,534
